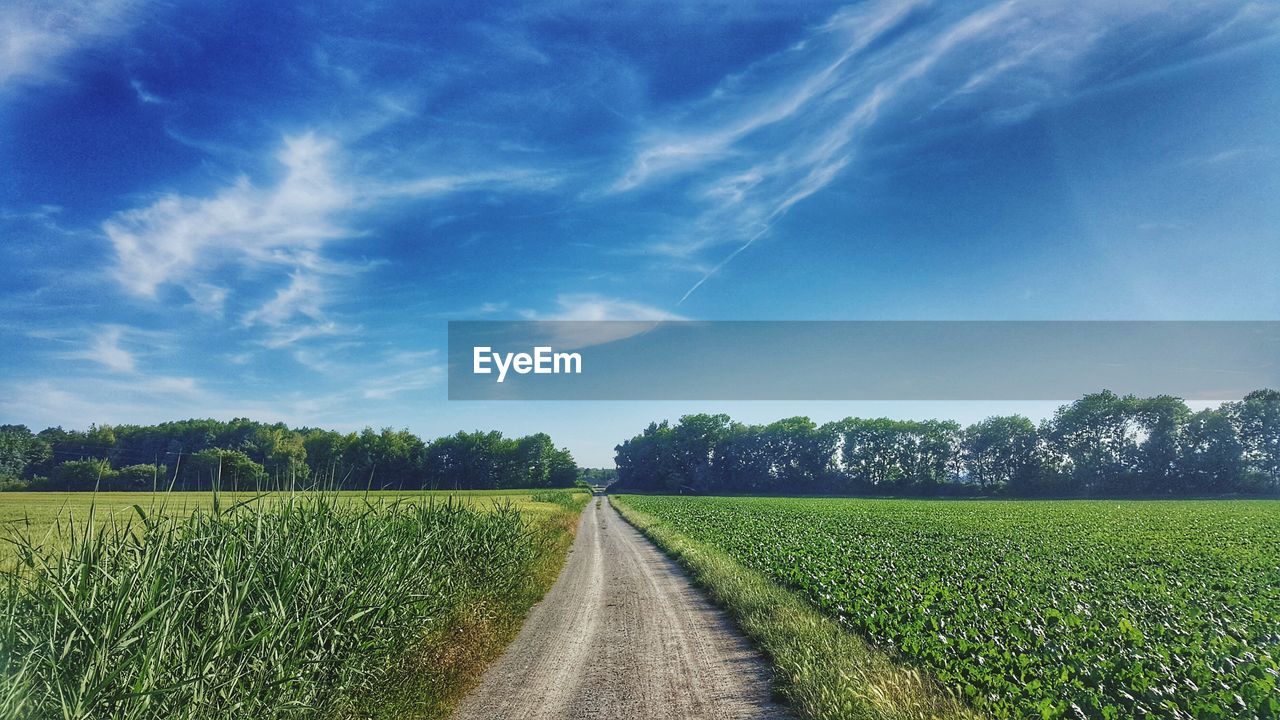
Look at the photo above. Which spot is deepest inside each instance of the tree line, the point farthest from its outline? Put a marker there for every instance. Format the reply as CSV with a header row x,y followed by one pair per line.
x,y
247,455
1102,445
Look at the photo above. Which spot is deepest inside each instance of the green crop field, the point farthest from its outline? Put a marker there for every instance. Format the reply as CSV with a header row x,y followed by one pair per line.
x,y
290,605
1032,609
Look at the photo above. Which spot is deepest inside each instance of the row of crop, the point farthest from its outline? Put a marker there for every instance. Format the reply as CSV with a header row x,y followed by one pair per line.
x,y
1047,610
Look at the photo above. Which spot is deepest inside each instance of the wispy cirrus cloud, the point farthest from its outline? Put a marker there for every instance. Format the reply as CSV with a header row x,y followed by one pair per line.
x,y
790,125
591,306
302,296
581,320
150,399
408,381
103,346
181,239
113,347
281,231
36,37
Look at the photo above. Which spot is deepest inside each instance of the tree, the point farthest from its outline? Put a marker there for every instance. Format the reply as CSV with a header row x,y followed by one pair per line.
x,y
481,460
1102,445
696,443
249,454
1097,436
325,455
1257,420
1162,420
598,476
932,448
562,470
281,451
1210,455
388,459
18,448
1000,452
81,476
222,468
646,461
534,455
795,455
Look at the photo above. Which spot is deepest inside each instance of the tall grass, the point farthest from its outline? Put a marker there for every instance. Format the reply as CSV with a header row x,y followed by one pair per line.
x,y
564,498
303,606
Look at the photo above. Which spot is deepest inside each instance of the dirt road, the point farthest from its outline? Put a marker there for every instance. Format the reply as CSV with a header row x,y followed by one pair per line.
x,y
623,634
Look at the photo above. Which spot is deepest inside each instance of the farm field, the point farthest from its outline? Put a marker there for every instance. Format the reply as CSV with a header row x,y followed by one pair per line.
x,y
294,604
1088,609
46,516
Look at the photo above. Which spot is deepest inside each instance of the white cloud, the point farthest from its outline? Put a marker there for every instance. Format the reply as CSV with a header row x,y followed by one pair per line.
x,y
144,96
286,335
137,399
582,320
436,185
412,357
588,306
386,388
279,231
302,296
103,347
167,385
769,93
792,124
208,298
180,239
36,37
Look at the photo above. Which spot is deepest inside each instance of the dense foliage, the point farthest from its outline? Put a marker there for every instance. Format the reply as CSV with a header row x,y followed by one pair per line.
x,y
1102,445
243,454
598,476
298,605
1034,609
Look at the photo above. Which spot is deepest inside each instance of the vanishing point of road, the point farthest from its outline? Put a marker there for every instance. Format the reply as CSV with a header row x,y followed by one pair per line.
x,y
623,634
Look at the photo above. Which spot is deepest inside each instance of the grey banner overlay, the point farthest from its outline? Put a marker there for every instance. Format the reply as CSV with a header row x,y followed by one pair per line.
x,y
868,360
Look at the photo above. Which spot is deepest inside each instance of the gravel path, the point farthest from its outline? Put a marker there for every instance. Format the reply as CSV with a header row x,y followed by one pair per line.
x,y
623,634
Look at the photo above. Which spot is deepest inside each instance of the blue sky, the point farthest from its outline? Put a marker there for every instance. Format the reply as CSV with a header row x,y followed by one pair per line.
x,y
252,210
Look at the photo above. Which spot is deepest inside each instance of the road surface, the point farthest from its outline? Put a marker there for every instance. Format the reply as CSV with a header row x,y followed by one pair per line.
x,y
623,634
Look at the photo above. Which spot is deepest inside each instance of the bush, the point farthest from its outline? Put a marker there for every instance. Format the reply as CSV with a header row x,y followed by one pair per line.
x,y
229,469
139,477
81,475
568,499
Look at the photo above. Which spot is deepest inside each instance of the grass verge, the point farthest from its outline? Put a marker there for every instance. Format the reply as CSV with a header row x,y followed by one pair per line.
x,y
823,671
305,606
446,662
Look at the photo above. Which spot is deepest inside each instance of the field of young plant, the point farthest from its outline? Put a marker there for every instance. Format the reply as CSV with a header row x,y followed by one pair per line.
x,y
291,605
1033,609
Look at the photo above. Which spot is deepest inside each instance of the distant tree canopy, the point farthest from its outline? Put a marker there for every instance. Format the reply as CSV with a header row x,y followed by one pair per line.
x,y
598,476
1102,445
246,455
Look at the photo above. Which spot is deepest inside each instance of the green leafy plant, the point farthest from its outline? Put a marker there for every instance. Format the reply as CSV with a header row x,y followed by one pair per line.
x,y
1032,609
